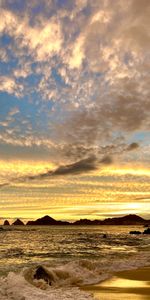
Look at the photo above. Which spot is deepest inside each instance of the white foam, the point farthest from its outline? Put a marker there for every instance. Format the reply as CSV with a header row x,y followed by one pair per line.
x,y
66,278
15,287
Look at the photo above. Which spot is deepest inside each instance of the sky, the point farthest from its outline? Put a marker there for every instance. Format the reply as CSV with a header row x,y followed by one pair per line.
x,y
74,108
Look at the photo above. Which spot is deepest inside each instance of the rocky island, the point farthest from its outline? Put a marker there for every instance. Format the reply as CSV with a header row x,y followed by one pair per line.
x,y
125,220
18,222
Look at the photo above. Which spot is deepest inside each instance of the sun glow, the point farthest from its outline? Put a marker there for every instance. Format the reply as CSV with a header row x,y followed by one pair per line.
x,y
127,170
10,169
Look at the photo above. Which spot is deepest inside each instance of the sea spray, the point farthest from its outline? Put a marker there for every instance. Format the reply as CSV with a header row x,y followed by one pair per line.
x,y
15,287
66,279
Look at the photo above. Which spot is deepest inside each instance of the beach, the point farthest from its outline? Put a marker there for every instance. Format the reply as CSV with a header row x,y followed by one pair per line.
x,y
131,285
79,263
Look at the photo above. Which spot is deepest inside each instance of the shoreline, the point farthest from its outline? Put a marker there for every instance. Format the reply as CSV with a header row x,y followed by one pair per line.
x,y
132,284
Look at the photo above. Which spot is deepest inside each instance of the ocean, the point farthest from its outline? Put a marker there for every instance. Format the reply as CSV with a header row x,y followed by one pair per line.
x,y
72,256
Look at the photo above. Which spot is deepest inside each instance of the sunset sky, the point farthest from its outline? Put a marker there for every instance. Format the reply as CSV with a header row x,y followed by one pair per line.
x,y
74,108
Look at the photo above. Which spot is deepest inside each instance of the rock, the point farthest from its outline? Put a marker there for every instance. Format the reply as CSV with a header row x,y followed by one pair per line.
x,y
125,220
42,273
18,222
104,235
47,220
146,231
6,223
135,232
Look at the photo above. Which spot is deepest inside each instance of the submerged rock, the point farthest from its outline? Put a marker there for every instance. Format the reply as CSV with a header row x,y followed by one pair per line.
x,y
42,273
135,232
18,222
6,223
104,235
146,231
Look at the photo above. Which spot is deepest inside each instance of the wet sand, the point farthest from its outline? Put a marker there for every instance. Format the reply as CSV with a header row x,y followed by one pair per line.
x,y
131,285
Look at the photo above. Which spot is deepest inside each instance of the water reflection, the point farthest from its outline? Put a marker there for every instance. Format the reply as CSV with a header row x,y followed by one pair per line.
x,y
131,285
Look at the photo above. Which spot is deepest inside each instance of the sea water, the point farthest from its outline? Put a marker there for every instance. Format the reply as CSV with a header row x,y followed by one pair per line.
x,y
74,256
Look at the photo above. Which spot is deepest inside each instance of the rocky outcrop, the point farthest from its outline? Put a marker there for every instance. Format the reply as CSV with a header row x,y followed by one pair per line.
x,y
42,273
46,220
146,225
6,223
125,220
104,236
18,222
146,231
135,232
87,222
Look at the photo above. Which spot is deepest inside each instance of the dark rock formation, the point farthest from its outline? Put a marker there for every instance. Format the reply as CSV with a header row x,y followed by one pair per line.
x,y
126,220
18,222
42,273
6,223
135,232
46,220
104,236
146,231
86,222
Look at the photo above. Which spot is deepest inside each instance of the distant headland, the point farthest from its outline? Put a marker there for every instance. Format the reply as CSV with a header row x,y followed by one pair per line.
x,y
131,219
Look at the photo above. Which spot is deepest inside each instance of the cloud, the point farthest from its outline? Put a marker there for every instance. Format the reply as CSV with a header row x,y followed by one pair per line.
x,y
22,72
3,185
95,127
9,137
13,111
42,40
45,40
91,60
77,53
9,85
133,146
82,166
3,55
106,160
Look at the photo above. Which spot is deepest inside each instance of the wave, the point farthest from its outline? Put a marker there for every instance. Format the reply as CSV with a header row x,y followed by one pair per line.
x,y
55,281
17,288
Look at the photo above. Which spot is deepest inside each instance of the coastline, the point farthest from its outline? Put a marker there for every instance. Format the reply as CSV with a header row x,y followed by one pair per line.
x,y
132,284
74,258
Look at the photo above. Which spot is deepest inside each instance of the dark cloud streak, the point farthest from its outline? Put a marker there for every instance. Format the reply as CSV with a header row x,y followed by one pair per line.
x,y
132,146
82,166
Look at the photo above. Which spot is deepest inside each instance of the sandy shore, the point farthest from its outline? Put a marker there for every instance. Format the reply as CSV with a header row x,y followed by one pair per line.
x,y
131,285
